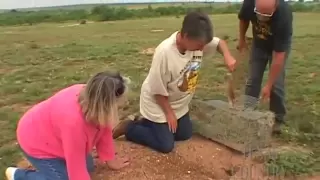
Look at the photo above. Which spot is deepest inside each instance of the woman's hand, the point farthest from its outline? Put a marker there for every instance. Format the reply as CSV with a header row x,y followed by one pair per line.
x,y
118,163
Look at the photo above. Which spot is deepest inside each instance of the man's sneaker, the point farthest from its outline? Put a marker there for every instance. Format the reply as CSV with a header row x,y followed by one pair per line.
x,y
10,173
276,129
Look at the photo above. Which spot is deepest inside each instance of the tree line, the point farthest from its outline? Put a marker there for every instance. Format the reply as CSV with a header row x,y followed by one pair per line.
x,y
113,13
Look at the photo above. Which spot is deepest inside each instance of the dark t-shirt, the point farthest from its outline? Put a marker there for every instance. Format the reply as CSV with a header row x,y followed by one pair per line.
x,y
273,35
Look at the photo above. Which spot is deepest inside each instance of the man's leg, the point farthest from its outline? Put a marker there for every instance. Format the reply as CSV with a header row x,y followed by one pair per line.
x,y
184,129
257,65
154,135
277,99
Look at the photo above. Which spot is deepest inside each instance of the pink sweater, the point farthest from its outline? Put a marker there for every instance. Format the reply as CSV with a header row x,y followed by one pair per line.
x,y
55,128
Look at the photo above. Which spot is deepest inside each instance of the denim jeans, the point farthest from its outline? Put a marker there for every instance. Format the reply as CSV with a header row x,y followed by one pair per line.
x,y
48,169
257,65
158,135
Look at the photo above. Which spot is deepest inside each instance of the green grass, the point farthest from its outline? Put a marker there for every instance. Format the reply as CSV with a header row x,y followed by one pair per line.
x,y
292,163
39,60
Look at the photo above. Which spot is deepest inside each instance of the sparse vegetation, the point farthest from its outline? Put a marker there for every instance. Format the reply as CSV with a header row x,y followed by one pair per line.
x,y
38,60
292,164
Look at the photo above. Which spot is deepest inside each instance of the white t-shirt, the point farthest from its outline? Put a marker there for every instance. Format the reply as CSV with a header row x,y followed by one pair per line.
x,y
174,75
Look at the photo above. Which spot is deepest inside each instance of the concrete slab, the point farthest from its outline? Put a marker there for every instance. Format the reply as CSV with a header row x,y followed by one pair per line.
x,y
243,130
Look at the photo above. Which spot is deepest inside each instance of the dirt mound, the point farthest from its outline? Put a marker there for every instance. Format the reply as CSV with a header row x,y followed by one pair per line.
x,y
147,165
197,158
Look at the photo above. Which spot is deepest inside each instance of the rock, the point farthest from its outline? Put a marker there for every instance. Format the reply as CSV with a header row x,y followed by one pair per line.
x,y
243,130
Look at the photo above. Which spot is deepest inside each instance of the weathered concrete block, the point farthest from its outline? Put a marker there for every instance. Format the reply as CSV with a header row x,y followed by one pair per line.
x,y
244,130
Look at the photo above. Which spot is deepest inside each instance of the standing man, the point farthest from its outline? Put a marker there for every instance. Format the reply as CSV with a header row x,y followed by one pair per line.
x,y
272,32
170,85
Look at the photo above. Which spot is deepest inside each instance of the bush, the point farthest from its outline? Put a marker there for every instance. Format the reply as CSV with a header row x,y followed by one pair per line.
x,y
109,13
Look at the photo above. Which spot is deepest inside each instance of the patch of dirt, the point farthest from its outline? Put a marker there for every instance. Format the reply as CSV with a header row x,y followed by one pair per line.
x,y
147,165
157,30
314,178
3,70
148,51
8,32
20,107
69,25
197,158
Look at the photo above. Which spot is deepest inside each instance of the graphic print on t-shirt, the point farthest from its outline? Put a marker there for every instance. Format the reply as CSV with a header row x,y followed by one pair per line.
x,y
189,78
262,29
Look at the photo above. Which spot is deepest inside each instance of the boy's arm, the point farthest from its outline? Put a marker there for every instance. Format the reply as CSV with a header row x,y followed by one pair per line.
x,y
221,46
159,78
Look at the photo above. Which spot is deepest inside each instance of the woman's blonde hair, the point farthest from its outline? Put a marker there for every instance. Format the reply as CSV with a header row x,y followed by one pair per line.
x,y
101,96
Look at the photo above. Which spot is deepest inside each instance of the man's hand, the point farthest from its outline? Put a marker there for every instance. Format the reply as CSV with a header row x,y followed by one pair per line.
x,y
242,45
230,62
265,93
172,122
118,163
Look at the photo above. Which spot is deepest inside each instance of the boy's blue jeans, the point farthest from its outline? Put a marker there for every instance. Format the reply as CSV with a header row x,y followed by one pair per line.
x,y
158,135
48,169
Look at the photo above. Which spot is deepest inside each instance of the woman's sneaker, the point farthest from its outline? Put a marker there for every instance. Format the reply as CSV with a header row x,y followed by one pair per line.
x,y
10,173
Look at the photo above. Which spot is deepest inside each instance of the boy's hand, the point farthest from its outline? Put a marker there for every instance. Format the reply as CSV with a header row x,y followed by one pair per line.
x,y
172,122
230,62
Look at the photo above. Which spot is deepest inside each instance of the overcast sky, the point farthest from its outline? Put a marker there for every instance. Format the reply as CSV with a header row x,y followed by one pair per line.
x,y
12,4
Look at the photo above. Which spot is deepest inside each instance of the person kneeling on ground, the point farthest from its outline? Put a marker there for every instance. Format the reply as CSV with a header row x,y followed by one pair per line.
x,y
58,134
171,83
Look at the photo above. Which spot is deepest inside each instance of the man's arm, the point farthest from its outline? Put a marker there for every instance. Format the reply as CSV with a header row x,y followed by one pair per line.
x,y
244,16
243,28
282,44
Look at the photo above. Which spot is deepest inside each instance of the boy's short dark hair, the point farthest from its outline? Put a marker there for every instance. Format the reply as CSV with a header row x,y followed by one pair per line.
x,y
197,25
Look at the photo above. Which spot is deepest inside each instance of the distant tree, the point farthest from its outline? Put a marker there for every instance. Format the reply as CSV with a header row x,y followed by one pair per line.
x,y
301,1
13,10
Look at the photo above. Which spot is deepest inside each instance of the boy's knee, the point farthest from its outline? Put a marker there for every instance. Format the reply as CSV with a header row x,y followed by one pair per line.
x,y
185,135
184,131
166,147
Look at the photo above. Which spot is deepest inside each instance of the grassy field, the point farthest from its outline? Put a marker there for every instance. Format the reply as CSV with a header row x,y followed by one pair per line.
x,y
36,61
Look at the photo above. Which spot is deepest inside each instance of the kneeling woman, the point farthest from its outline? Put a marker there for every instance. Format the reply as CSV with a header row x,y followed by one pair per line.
x,y
58,134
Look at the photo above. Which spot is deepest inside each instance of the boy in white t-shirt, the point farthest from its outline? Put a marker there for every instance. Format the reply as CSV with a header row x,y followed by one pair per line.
x,y
171,83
